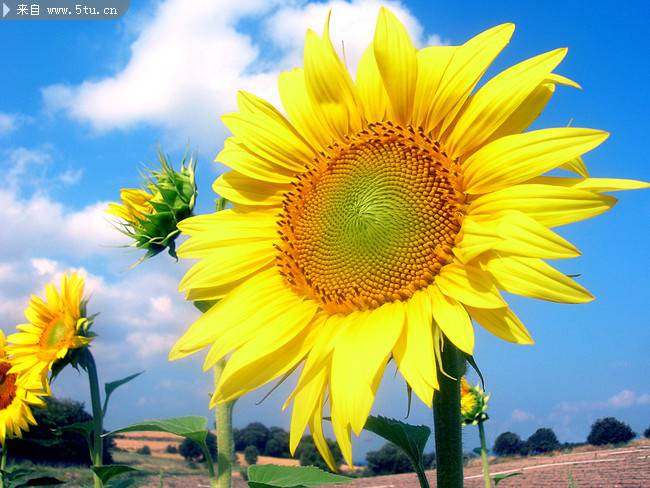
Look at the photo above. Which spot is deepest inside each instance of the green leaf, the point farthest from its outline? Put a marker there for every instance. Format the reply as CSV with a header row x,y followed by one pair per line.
x,y
204,305
411,439
40,481
121,483
84,428
105,473
109,388
500,477
472,362
191,427
269,475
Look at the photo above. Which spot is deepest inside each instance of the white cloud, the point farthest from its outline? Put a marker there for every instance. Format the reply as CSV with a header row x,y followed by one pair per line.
x,y
520,416
8,123
620,400
187,63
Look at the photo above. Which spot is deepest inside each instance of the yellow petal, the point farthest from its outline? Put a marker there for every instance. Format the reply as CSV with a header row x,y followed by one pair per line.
x,y
270,138
266,289
469,285
210,232
243,190
316,428
237,156
593,184
304,115
274,350
503,323
432,63
526,113
465,68
413,351
229,263
370,86
516,158
577,166
363,347
514,233
397,63
304,404
534,278
550,205
497,100
329,85
452,319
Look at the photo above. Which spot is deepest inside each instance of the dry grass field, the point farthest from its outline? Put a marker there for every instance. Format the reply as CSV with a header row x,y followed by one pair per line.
x,y
583,467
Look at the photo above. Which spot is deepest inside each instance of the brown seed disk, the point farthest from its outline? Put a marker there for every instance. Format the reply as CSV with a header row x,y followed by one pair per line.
x,y
373,221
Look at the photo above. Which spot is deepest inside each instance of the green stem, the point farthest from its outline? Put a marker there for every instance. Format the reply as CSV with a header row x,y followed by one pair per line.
x,y
225,449
484,457
97,447
447,420
3,463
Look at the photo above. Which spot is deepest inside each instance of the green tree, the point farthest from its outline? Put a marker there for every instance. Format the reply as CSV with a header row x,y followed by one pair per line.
x,y
144,450
191,451
171,449
45,443
609,430
390,459
277,444
542,440
507,444
250,455
646,433
254,434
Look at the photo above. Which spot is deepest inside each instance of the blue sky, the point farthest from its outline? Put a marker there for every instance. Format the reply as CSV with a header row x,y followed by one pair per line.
x,y
82,104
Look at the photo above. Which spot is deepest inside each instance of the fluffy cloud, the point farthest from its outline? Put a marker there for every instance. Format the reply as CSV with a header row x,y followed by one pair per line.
x,y
8,123
186,63
620,400
521,416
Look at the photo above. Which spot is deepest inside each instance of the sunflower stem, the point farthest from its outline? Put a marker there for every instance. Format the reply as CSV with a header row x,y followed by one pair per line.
x,y
97,446
484,456
223,414
3,464
447,420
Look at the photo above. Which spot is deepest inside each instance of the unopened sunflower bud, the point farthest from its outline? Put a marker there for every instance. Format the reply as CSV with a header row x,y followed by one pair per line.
x,y
473,403
150,216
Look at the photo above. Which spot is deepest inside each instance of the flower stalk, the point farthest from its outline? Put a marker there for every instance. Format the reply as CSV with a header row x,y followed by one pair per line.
x,y
484,456
97,445
446,418
3,465
223,414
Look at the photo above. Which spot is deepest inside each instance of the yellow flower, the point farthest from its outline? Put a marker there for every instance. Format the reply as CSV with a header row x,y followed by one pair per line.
x,y
382,206
56,326
17,394
473,403
150,217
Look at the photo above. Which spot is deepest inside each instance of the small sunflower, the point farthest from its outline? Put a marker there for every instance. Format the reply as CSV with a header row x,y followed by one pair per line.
x,y
57,326
381,215
18,393
473,403
150,217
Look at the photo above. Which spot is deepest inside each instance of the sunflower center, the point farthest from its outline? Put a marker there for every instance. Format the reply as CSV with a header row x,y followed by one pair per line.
x,y
7,385
373,222
55,333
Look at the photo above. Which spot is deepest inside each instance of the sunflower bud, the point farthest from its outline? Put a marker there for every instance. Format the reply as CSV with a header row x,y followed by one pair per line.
x,y
150,216
473,403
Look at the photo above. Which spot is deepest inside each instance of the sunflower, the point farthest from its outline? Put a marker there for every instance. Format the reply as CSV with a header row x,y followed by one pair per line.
x,y
55,327
17,394
473,403
150,216
382,215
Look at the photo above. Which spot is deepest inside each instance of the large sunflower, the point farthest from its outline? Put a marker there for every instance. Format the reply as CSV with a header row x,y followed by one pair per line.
x,y
55,326
381,215
17,394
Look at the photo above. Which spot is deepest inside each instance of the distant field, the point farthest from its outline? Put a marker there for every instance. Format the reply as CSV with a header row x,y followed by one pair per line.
x,y
588,467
